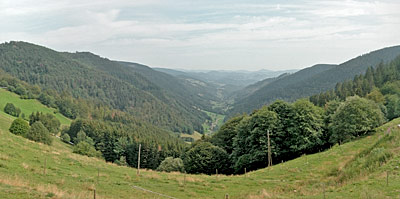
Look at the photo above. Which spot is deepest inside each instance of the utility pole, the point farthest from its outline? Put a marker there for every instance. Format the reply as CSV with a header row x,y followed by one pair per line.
x,y
138,163
269,150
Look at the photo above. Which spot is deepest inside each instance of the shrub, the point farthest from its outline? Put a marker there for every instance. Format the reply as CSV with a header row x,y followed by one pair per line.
x,y
171,164
19,127
87,149
39,133
65,138
203,157
12,110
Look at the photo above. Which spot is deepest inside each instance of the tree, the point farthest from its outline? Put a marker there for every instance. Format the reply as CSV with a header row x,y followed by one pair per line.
x,y
48,120
39,133
283,130
171,164
224,137
19,127
376,96
12,110
393,106
307,135
355,117
203,157
80,137
251,142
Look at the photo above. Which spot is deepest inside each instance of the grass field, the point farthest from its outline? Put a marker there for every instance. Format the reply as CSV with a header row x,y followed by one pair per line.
x,y
353,170
28,106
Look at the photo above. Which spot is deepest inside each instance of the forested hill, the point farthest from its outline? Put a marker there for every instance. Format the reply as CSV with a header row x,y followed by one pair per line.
x,y
88,76
193,95
312,80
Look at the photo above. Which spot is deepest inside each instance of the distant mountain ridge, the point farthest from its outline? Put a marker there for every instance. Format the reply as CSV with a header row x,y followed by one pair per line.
x,y
240,78
312,80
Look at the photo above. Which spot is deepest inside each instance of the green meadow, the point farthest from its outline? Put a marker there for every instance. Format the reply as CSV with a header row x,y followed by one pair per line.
x,y
28,106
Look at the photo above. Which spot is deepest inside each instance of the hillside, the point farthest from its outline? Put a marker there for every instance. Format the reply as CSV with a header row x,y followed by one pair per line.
x,y
88,76
312,80
353,170
248,90
194,95
28,106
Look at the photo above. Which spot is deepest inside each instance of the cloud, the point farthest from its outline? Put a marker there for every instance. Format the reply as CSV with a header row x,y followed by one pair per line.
x,y
206,33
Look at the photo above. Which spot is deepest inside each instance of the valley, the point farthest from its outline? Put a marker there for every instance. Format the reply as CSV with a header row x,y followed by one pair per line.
x,y
200,99
217,150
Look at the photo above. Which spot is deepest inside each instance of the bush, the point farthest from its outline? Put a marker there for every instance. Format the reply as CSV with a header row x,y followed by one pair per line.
x,y
171,164
39,133
203,157
12,110
19,127
121,161
65,138
87,149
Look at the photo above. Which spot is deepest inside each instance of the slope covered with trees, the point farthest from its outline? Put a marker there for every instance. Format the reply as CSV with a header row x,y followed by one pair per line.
x,y
86,76
110,134
313,80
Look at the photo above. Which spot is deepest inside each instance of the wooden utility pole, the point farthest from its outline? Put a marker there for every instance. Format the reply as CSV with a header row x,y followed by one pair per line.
x,y
269,150
138,162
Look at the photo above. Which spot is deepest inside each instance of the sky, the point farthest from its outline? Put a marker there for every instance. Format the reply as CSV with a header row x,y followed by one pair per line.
x,y
207,34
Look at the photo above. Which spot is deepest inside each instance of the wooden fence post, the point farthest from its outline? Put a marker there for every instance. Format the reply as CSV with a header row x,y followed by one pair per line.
x,y
44,166
387,178
94,193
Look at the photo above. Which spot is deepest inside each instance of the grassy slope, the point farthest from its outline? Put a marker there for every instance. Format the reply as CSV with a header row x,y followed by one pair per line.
x,y
28,106
196,135
73,176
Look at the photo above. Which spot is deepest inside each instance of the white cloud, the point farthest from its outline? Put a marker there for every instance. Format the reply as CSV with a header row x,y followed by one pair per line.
x,y
198,34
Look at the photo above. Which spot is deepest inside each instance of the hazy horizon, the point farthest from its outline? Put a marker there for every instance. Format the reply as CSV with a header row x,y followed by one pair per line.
x,y
207,35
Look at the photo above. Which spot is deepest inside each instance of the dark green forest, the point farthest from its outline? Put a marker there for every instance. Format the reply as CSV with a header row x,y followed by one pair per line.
x,y
87,76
